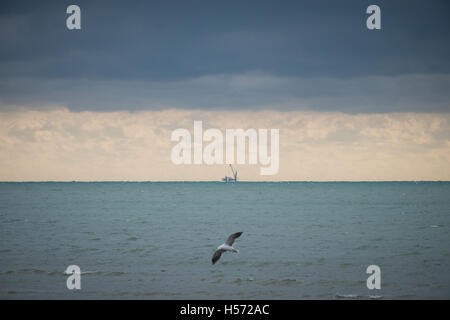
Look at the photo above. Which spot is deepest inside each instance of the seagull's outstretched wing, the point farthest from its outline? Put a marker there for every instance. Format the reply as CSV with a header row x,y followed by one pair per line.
x,y
231,238
216,256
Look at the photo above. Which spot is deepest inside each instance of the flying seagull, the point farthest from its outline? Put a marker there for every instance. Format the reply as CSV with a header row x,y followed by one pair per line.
x,y
227,246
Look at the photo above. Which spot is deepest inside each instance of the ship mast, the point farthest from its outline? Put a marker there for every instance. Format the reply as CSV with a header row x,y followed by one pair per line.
x,y
234,173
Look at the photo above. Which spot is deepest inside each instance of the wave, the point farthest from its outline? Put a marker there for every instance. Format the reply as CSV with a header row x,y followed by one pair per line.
x,y
60,273
239,280
356,296
281,282
346,296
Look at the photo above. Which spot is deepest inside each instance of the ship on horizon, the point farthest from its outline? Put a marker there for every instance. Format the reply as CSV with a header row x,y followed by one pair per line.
x,y
231,179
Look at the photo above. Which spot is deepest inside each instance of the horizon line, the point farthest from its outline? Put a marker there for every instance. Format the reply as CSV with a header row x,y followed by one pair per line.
x,y
208,181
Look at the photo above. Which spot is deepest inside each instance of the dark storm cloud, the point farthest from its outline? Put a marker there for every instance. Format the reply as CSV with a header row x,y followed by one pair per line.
x,y
160,44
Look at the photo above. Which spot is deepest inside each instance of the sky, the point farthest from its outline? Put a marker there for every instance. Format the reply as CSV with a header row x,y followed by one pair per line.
x,y
100,103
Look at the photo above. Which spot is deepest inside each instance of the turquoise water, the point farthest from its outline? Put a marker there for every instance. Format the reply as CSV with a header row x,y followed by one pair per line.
x,y
155,240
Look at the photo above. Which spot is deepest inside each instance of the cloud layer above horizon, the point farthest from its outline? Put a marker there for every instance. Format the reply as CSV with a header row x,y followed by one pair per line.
x,y
63,145
226,55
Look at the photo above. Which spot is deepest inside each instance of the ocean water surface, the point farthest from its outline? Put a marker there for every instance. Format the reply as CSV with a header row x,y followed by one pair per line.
x,y
301,240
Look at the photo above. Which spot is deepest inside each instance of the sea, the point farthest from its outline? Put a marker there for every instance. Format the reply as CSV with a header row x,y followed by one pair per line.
x,y
155,240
